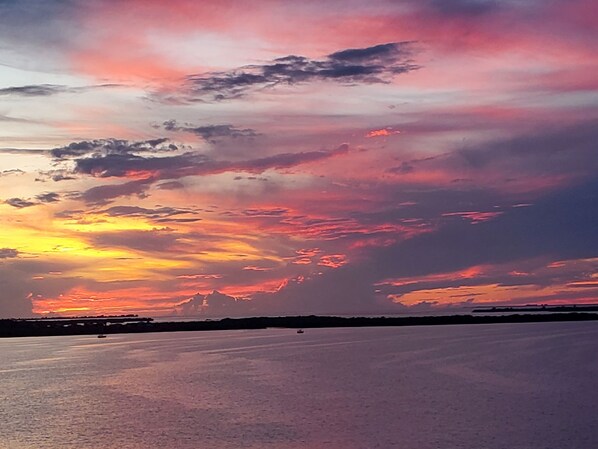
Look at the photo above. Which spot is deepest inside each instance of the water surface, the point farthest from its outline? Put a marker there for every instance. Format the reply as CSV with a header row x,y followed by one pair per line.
x,y
515,386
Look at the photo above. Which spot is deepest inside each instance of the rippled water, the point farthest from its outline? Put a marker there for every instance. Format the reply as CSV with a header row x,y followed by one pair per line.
x,y
481,387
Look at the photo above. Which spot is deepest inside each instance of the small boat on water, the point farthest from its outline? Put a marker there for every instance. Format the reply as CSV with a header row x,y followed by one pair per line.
x,y
101,336
300,331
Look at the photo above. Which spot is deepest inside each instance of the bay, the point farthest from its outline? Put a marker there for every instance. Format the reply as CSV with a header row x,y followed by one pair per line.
x,y
517,386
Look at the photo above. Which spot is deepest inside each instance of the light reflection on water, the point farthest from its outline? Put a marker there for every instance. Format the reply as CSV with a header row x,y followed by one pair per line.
x,y
483,386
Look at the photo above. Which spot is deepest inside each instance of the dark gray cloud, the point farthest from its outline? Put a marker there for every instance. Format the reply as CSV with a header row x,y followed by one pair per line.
x,y
377,64
20,203
158,214
101,195
14,171
173,167
119,165
54,175
211,133
102,147
8,253
48,197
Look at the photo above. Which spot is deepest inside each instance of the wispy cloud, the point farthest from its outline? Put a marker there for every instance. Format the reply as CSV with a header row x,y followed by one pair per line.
x,y
20,203
211,133
120,158
45,90
370,65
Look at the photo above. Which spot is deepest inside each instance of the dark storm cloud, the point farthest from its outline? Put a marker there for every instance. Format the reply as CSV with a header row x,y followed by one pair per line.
x,y
211,133
20,203
8,253
377,64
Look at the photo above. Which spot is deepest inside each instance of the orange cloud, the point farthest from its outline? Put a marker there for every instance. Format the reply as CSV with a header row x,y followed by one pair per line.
x,y
384,132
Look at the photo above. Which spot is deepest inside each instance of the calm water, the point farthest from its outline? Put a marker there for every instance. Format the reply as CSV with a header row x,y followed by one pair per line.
x,y
509,386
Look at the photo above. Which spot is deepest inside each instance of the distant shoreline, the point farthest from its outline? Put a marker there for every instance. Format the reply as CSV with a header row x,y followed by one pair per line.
x,y
133,324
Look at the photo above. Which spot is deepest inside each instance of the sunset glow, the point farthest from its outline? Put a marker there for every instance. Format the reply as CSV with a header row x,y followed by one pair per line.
x,y
296,157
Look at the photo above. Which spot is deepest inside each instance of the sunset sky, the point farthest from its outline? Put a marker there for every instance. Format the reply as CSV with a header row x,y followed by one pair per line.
x,y
233,158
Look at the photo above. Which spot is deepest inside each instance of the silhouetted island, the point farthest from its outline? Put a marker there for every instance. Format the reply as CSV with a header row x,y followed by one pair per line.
x,y
133,324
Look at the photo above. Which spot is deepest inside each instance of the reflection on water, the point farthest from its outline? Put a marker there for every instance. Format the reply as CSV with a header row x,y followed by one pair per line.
x,y
494,386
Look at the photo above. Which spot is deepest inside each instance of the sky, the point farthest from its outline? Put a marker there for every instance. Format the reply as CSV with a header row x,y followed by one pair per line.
x,y
274,157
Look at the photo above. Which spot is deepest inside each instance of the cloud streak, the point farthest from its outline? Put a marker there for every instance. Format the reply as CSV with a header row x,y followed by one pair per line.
x,y
46,90
370,65
211,133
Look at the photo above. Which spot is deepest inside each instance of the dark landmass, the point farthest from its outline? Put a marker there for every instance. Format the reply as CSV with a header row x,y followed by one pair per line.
x,y
121,325
539,308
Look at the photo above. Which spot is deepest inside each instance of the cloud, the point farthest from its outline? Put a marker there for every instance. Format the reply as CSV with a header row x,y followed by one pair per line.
x,y
20,203
104,194
14,171
102,147
48,197
171,185
371,65
35,90
18,291
8,253
159,214
45,90
110,158
211,133
215,304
